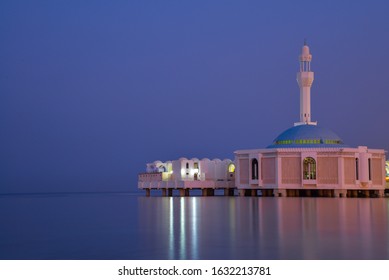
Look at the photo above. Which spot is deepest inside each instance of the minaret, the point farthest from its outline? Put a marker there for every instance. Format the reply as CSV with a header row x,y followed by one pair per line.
x,y
305,80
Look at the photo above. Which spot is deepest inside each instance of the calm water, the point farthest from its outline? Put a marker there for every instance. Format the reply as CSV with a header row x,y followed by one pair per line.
x,y
114,226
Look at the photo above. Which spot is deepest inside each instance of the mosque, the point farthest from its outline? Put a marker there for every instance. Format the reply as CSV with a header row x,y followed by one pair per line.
x,y
304,160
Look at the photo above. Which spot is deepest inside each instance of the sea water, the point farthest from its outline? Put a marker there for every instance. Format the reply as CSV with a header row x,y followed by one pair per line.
x,y
127,226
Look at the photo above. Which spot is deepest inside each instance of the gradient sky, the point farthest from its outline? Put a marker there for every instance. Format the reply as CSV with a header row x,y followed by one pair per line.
x,y
90,91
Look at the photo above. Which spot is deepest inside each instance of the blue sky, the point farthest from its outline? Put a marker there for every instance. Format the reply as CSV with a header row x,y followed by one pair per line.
x,y
90,91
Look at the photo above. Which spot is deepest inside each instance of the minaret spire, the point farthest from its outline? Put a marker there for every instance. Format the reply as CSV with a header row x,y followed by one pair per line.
x,y
305,80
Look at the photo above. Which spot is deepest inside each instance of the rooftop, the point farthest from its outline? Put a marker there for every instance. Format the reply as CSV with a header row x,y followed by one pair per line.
x,y
307,136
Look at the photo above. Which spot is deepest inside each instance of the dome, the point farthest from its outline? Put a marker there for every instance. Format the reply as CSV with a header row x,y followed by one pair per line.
x,y
307,136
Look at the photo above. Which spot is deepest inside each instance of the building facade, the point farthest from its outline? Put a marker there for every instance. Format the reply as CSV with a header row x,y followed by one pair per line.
x,y
304,160
307,159
188,174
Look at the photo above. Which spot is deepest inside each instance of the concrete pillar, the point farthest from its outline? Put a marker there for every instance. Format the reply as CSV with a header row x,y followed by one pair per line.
x,y
380,193
163,192
147,192
229,192
355,193
280,193
289,193
241,192
182,192
367,193
207,192
340,193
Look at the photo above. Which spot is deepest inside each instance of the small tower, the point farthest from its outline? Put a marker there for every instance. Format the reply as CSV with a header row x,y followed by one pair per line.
x,y
305,80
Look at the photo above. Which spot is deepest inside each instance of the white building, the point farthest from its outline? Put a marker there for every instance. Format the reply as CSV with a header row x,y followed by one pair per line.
x,y
304,160
188,174
307,159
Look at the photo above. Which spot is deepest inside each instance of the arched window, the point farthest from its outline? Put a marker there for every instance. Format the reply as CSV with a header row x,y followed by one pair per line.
x,y
356,168
254,169
161,168
231,168
309,169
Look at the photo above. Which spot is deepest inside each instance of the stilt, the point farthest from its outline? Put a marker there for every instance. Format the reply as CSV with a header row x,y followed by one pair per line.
x,y
280,193
242,192
367,193
147,192
253,192
182,192
163,192
340,193
289,193
228,192
204,192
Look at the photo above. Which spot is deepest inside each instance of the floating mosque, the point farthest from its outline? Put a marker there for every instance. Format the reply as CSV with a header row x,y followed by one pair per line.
x,y
304,160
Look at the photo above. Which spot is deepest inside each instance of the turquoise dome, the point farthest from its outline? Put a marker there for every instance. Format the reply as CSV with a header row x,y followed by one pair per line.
x,y
307,136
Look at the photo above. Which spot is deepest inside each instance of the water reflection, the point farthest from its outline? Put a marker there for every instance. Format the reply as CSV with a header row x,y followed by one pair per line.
x,y
263,228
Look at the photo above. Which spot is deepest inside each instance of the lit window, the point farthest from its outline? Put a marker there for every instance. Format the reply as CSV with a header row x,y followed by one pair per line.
x,y
231,168
254,169
309,169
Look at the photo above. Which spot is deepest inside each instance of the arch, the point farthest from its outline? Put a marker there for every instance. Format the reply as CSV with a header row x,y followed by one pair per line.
x,y
161,168
231,167
254,169
309,169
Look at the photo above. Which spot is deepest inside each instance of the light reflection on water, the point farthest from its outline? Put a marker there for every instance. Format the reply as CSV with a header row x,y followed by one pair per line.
x,y
114,226
265,228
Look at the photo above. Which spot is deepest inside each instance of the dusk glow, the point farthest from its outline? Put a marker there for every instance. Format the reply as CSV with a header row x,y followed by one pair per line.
x,y
90,91
194,130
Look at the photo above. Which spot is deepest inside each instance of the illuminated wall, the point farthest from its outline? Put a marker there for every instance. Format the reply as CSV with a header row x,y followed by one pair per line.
x,y
291,170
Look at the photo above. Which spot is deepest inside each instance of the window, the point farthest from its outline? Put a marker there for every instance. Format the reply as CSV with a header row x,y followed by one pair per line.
x,y
369,162
309,169
187,165
254,169
357,169
196,165
231,168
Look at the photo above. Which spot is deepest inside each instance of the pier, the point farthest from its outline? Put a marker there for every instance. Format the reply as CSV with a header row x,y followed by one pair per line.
x,y
186,192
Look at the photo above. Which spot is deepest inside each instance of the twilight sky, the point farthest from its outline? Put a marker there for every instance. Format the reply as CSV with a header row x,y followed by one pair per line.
x,y
90,91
